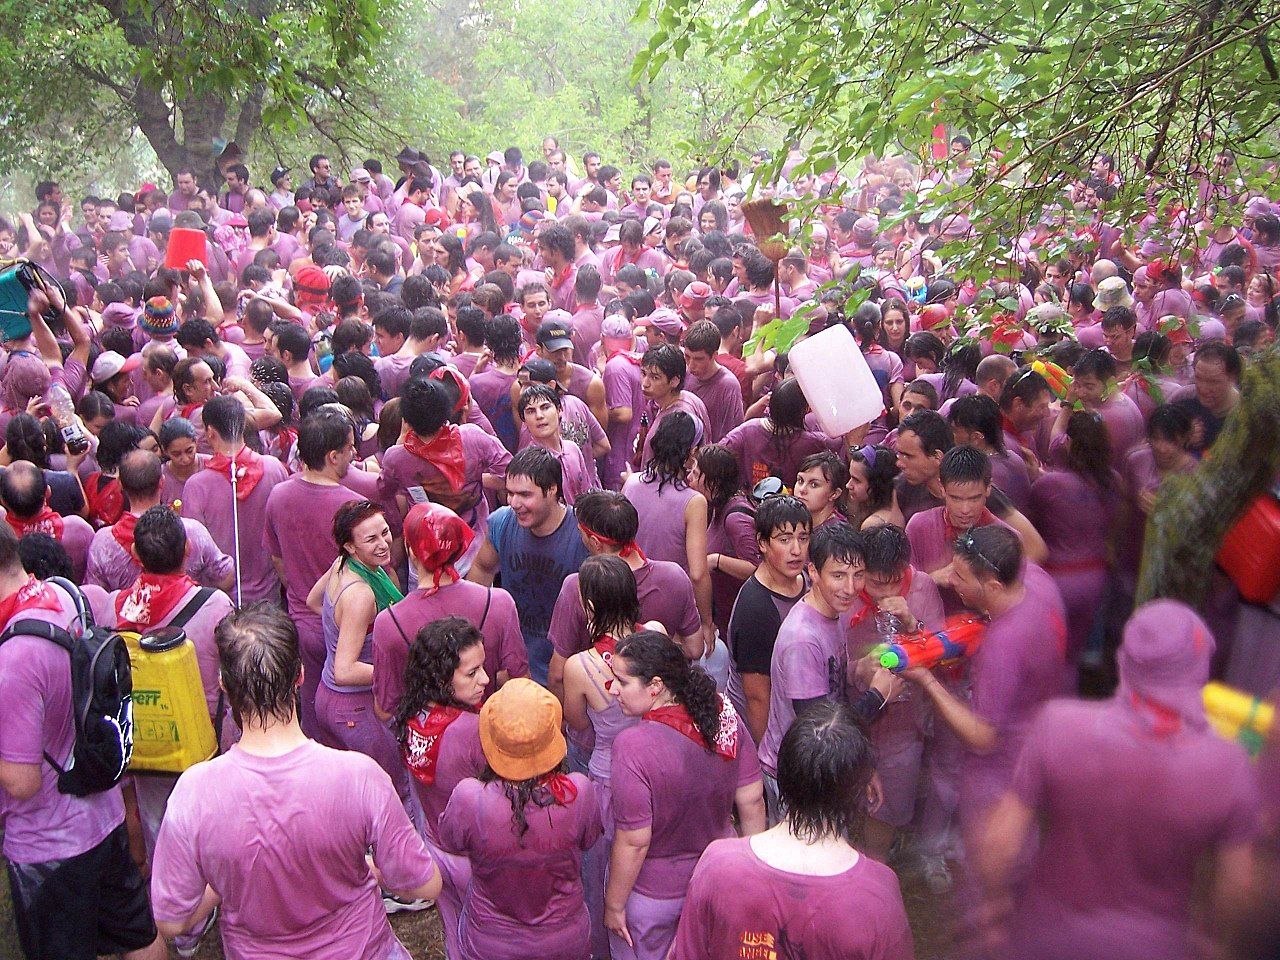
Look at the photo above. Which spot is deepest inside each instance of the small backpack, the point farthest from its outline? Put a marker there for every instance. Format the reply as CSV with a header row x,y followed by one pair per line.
x,y
101,697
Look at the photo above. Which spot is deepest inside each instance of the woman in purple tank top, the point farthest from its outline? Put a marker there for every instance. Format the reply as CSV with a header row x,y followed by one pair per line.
x,y
673,516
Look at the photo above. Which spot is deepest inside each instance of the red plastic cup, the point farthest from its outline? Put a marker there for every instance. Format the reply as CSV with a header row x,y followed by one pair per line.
x,y
185,245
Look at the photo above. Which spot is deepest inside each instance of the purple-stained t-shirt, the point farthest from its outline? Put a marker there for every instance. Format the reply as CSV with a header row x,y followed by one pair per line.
x,y
760,454
491,390
76,537
661,511
585,334
207,497
1060,500
931,548
721,394
579,426
393,371
775,913
686,402
299,513
1125,819
171,487
665,594
1017,669
525,897
403,475
300,385
1009,474
500,626
810,660
732,534
243,823
35,719
621,389
576,477
111,567
460,756
663,780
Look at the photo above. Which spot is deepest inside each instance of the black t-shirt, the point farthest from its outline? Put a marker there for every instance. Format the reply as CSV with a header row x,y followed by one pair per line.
x,y
915,498
753,626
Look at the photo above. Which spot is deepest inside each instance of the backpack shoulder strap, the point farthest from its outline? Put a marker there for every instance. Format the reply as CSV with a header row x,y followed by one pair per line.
x,y
488,599
192,607
39,628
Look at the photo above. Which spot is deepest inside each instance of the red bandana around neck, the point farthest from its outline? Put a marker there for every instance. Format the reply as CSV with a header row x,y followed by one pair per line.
x,y
123,529
869,606
46,521
190,408
33,595
444,452
951,534
607,646
422,746
248,467
151,598
560,787
677,717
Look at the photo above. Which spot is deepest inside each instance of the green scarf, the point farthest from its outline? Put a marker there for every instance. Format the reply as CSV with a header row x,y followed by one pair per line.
x,y
385,591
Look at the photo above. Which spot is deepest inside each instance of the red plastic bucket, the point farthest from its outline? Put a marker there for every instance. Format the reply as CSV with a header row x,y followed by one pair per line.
x,y
186,244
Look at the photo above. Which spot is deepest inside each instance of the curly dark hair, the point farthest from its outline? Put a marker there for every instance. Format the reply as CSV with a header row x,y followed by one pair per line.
x,y
434,655
649,655
671,443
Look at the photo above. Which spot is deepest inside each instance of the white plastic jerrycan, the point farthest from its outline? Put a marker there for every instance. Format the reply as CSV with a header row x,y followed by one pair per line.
x,y
835,379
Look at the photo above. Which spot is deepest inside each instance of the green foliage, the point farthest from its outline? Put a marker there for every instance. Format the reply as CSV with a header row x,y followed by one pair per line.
x,y
1041,87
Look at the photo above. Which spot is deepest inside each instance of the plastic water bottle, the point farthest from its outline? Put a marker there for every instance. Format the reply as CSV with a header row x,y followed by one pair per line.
x,y
64,412
888,627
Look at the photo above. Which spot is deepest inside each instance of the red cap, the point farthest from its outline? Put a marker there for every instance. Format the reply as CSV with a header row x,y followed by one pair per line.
x,y
933,316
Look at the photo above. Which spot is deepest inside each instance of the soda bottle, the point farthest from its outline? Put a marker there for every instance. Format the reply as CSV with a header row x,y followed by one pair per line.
x,y
64,412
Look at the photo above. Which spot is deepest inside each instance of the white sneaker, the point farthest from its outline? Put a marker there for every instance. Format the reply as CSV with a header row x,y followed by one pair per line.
x,y
188,943
394,904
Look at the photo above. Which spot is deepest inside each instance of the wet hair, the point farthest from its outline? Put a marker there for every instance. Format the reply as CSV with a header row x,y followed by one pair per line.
x,y
225,415
650,655
541,466
932,429
882,470
44,557
260,663
358,367
960,363
1224,353
923,388
777,513
703,337
176,428
350,515
160,540
535,393
668,360
836,541
720,475
609,514
964,465
292,338
24,440
350,335
425,405
671,445
978,412
434,656
924,344
992,550
1025,385
503,338
140,474
787,409
832,467
1170,422
608,586
116,439
1089,454
322,433
1096,363
312,399
1119,316
96,404
887,549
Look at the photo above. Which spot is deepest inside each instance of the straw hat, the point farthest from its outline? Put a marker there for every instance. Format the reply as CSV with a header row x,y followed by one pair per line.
x,y
520,731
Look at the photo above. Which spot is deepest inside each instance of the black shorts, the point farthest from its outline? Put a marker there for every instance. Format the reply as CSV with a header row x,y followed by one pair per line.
x,y
82,907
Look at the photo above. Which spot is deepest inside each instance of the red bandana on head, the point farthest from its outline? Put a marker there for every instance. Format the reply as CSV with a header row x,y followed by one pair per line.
x,y
631,549
248,470
677,718
151,599
444,452
422,744
46,521
33,595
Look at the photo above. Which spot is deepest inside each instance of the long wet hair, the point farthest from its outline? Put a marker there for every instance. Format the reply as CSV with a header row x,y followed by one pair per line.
x,y
434,655
651,655
608,587
671,444
1090,452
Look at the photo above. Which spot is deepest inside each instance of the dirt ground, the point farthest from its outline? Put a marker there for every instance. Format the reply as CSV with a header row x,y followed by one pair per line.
x,y
420,932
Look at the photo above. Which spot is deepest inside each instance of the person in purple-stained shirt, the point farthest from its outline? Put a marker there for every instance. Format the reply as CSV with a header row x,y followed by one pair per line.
x,y
491,386
24,493
676,777
662,375
975,422
1119,792
525,826
785,880
296,510
896,599
99,901
239,826
112,564
540,407
608,523
234,516
714,385
1093,385
1074,509
437,724
436,539
624,396
1019,666
558,251
774,445
588,314
578,425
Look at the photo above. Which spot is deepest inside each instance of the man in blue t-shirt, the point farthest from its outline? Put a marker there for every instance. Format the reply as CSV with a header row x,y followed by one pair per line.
x,y
534,544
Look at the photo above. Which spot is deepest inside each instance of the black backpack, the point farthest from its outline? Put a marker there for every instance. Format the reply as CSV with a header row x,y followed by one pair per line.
x,y
101,696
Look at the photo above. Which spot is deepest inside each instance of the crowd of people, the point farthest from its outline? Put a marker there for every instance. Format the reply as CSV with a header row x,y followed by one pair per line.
x,y
518,585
